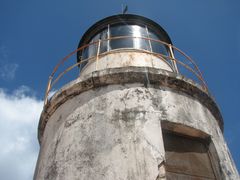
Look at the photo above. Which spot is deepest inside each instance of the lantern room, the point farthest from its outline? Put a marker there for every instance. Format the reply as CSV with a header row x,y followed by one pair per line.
x,y
126,33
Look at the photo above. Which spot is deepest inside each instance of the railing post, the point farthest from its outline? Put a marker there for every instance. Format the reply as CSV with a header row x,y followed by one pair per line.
x,y
173,58
98,50
47,90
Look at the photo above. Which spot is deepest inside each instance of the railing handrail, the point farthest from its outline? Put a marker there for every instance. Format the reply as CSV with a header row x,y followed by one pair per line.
x,y
52,82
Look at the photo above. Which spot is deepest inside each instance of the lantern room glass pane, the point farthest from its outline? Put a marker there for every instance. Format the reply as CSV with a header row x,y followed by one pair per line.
x,y
121,30
89,51
139,33
104,41
133,37
157,47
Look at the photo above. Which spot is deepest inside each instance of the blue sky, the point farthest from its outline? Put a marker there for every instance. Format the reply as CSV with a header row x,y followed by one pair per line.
x,y
35,35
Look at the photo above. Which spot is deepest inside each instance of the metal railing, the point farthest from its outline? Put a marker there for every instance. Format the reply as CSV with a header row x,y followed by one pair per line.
x,y
176,63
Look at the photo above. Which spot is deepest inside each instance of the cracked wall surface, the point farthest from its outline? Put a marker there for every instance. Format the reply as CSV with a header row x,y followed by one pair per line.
x,y
115,132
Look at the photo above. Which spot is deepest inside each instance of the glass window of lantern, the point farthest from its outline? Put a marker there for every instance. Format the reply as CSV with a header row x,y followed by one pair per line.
x,y
133,39
104,42
157,47
124,36
139,33
121,42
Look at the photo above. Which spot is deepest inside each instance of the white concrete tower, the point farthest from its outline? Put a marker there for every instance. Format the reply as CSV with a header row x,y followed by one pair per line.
x,y
139,110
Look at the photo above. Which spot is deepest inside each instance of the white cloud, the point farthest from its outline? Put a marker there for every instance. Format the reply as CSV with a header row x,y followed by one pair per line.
x,y
19,115
7,69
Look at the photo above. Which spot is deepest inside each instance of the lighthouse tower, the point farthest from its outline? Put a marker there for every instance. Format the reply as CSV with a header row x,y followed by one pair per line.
x,y
138,109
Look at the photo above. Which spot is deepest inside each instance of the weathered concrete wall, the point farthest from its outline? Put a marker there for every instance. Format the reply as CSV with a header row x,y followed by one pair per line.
x,y
126,58
106,133
114,132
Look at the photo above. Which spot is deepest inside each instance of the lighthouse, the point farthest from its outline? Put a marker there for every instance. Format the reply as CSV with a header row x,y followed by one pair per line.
x,y
138,109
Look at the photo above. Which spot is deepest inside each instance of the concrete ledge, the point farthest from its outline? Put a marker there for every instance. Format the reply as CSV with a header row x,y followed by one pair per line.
x,y
127,75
